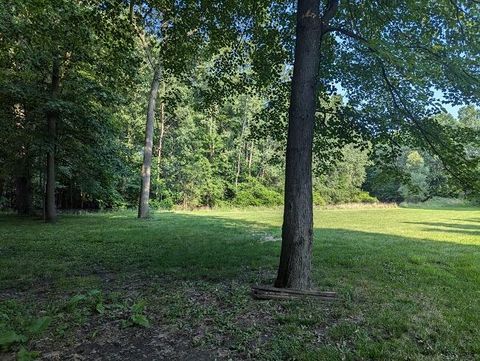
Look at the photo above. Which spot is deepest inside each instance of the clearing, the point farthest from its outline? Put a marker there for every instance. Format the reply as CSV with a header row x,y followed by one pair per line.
x,y
176,287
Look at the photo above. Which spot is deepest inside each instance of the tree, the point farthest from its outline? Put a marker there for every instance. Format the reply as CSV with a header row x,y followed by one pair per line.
x,y
171,35
60,85
342,182
417,187
143,208
52,115
387,57
295,260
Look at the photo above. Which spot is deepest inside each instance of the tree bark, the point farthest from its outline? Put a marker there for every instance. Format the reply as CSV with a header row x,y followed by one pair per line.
x,y
241,145
250,159
23,195
297,233
143,209
52,115
2,187
160,145
211,133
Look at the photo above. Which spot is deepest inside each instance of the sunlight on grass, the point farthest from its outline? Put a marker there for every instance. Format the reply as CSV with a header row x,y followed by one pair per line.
x,y
460,225
408,281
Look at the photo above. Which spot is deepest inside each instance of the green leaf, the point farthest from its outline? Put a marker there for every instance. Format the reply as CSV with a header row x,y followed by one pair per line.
x,y
8,338
76,299
39,325
94,293
140,320
25,355
138,307
100,307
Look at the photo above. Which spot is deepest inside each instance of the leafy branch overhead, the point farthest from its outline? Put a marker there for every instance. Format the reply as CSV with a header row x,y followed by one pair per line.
x,y
396,66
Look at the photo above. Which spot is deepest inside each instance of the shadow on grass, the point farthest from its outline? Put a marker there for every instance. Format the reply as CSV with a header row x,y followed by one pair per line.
x,y
192,247
468,229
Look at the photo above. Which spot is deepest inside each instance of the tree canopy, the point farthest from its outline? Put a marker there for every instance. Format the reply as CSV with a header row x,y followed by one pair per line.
x,y
386,72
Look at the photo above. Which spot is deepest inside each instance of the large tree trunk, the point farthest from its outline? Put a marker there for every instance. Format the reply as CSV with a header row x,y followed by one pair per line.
x,y
52,115
295,260
23,194
143,209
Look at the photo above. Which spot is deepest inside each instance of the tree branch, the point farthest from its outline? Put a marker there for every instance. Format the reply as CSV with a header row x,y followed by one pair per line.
x,y
145,45
330,12
346,32
403,107
397,99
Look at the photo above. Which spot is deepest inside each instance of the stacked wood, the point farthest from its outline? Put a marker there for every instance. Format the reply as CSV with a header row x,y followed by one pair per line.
x,y
273,293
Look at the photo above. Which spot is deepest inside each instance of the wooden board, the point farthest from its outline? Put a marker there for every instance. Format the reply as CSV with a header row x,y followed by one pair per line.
x,y
273,293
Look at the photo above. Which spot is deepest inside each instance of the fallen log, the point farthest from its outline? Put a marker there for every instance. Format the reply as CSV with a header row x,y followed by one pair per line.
x,y
273,293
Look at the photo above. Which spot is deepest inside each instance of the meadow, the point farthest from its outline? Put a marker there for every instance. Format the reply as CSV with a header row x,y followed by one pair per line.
x,y
177,286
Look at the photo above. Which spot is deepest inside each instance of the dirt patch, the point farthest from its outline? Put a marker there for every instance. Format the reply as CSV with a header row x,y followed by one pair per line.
x,y
187,320
101,339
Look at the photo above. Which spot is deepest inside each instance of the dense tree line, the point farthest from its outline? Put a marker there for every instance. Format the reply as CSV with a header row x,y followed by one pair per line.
x,y
78,96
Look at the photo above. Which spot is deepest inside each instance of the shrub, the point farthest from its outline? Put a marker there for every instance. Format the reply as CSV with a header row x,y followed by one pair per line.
x,y
3,202
365,197
318,199
166,203
211,192
254,193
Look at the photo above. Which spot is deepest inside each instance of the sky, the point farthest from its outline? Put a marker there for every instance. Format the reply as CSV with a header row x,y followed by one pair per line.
x,y
452,109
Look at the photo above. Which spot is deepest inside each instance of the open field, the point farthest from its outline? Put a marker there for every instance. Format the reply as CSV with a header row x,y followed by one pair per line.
x,y
111,287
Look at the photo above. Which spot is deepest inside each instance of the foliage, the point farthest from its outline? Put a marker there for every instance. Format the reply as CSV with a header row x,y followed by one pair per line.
x,y
95,76
364,197
342,183
416,189
414,175
253,193
395,71
225,107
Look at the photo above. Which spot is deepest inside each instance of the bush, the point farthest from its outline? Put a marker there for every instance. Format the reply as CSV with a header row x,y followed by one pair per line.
x,y
166,203
365,197
253,193
212,192
318,199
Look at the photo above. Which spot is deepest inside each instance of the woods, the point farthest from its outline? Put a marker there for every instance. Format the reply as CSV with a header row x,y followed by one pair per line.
x,y
246,125
237,106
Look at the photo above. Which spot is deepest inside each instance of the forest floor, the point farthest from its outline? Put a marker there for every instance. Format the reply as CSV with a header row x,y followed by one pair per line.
x,y
176,287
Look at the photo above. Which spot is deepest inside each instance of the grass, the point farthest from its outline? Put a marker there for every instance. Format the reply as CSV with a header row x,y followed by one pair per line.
x,y
176,286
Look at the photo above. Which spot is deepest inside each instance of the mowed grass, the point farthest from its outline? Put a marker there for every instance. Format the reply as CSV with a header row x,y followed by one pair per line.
x,y
408,282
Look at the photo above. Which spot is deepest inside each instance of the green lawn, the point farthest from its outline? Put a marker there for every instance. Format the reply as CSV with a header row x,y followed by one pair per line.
x,y
177,286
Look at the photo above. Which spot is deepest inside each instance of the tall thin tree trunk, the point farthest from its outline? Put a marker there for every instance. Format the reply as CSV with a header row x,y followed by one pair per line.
x,y
250,159
52,115
239,167
241,146
160,145
143,209
211,133
297,234
2,187
23,177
